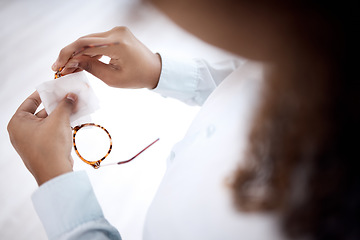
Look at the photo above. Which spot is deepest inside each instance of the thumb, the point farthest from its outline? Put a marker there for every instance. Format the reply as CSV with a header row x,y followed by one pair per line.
x,y
97,68
93,65
65,108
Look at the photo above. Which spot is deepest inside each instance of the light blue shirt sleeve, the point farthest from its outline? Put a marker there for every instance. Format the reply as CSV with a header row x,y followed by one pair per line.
x,y
192,80
68,209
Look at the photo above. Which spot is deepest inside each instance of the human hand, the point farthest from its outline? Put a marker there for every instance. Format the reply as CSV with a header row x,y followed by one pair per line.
x,y
132,64
43,142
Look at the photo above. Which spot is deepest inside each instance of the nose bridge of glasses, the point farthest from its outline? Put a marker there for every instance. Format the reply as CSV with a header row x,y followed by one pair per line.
x,y
96,165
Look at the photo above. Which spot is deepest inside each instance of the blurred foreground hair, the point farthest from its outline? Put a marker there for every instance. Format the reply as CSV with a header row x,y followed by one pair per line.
x,y
303,147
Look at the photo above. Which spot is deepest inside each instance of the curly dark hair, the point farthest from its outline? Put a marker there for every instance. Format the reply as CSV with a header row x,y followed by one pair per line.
x,y
303,147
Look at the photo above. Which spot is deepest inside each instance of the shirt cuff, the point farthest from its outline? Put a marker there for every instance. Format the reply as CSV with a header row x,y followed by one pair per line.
x,y
66,202
179,79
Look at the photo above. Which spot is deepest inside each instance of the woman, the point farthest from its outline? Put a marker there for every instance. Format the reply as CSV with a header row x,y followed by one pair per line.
x,y
295,176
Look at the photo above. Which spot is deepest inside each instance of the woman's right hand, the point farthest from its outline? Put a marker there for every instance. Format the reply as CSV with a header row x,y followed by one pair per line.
x,y
132,64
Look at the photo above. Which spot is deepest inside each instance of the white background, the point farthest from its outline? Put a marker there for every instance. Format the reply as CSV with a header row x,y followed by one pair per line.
x,y
31,36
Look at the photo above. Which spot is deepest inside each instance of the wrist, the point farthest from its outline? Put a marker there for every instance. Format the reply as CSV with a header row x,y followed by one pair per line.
x,y
155,76
45,177
52,170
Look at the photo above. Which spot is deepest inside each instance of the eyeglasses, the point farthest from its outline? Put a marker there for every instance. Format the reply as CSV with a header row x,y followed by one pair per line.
x,y
96,164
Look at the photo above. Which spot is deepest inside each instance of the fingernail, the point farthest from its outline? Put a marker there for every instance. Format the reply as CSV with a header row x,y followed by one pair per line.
x,y
72,97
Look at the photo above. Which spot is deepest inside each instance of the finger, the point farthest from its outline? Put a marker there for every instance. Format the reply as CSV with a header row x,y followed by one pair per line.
x,y
31,103
72,65
103,49
67,71
103,71
42,114
94,47
74,48
65,108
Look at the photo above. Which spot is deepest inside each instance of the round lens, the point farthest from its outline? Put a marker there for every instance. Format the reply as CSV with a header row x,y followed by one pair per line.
x,y
92,142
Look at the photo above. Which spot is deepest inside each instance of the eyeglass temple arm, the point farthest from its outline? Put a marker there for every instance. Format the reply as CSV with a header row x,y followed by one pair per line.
x,y
126,161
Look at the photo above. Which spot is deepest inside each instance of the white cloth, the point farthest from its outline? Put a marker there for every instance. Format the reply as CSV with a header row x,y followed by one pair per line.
x,y
193,200
52,92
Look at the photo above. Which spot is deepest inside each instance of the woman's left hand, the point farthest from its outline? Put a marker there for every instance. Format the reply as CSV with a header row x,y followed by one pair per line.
x,y
43,142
